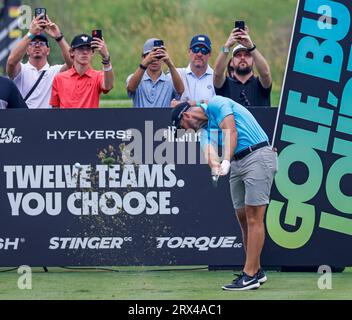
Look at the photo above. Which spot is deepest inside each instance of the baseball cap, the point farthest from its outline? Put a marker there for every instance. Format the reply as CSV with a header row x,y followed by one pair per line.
x,y
149,45
239,48
41,37
177,113
81,40
201,39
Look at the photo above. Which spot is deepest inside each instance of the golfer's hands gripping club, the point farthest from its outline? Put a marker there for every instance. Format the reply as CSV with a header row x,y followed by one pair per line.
x,y
219,170
215,173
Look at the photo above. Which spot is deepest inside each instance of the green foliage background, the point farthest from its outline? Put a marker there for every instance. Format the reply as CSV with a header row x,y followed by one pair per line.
x,y
128,23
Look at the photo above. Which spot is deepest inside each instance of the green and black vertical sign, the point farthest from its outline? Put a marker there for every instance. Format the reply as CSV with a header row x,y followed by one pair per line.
x,y
311,208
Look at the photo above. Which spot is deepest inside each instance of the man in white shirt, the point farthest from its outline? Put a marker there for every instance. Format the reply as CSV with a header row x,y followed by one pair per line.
x,y
198,76
26,76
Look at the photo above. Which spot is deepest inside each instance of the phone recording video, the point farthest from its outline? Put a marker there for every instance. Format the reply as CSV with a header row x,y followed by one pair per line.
x,y
97,34
240,25
40,11
159,44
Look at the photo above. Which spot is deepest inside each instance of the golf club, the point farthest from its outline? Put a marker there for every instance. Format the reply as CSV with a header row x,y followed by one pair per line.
x,y
215,179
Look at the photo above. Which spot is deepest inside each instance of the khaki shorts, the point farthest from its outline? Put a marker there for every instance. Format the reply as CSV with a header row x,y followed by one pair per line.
x,y
252,177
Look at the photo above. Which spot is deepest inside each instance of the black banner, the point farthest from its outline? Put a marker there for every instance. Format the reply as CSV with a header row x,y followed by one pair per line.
x,y
69,197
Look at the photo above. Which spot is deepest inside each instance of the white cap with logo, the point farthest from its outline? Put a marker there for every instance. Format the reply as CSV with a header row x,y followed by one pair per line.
x,y
238,48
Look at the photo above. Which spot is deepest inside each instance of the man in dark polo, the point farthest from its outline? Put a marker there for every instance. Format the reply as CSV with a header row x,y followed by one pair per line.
x,y
240,84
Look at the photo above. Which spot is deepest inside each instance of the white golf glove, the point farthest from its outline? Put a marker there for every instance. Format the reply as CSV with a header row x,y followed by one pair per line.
x,y
225,167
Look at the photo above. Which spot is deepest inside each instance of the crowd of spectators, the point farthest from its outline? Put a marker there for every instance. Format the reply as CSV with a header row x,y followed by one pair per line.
x,y
75,84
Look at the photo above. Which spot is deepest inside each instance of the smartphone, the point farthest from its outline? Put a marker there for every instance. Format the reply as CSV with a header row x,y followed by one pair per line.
x,y
240,25
158,43
97,34
40,11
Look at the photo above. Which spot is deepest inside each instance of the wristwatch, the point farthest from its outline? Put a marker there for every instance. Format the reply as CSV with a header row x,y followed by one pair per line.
x,y
253,48
59,38
225,50
106,61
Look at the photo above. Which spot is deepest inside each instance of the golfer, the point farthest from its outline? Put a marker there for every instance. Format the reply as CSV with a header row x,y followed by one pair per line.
x,y
253,165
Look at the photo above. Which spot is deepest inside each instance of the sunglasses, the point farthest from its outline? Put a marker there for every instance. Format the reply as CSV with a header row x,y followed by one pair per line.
x,y
39,43
203,50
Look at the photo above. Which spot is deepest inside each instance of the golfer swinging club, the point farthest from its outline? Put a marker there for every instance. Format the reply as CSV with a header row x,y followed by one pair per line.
x,y
253,165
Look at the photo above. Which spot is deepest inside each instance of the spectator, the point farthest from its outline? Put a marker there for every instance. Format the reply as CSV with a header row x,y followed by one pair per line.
x,y
240,84
198,76
149,86
34,79
81,86
10,97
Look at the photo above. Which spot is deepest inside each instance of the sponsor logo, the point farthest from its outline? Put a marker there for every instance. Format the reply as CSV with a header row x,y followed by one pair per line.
x,y
92,243
245,283
8,136
125,135
10,244
201,243
190,136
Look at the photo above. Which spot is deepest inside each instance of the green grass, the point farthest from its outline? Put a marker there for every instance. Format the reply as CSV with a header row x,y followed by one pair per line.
x,y
123,103
134,284
128,23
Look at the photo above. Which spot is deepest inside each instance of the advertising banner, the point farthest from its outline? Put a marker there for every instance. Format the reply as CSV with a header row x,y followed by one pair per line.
x,y
309,220
9,27
72,192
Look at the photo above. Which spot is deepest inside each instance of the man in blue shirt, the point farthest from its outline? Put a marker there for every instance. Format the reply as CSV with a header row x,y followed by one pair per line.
x,y
10,97
253,165
149,86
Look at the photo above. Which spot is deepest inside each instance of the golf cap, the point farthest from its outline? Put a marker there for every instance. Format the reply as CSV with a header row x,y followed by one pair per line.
x,y
201,39
81,40
238,49
177,113
41,37
149,45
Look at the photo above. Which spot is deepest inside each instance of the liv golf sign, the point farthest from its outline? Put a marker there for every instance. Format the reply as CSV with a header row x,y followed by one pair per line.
x,y
313,197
